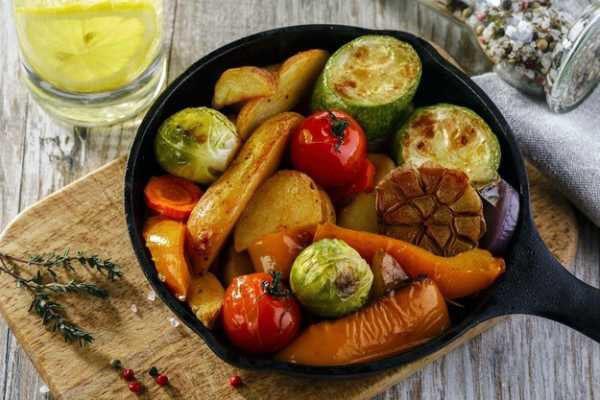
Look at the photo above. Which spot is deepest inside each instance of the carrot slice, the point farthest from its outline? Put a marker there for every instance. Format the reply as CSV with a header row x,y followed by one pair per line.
x,y
172,196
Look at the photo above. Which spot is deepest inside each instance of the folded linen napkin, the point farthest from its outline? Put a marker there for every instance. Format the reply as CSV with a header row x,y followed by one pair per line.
x,y
564,147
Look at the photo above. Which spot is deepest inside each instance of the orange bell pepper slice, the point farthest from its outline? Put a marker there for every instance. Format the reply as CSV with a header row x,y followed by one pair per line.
x,y
277,251
391,325
459,276
165,239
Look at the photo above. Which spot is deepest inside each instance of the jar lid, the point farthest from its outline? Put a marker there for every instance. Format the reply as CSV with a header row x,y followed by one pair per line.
x,y
579,69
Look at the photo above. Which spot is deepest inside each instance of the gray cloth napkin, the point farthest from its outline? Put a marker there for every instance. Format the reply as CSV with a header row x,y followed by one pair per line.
x,y
564,147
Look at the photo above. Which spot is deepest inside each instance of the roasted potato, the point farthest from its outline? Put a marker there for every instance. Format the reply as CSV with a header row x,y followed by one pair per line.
x,y
206,298
294,81
328,208
287,200
218,210
236,264
240,84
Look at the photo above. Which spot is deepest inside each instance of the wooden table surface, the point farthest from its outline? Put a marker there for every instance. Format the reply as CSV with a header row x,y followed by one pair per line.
x,y
523,358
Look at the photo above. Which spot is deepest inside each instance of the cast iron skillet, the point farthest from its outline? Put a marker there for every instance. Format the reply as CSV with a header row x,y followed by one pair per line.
x,y
534,282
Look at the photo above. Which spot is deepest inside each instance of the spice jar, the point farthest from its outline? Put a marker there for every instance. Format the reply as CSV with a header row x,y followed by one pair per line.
x,y
548,48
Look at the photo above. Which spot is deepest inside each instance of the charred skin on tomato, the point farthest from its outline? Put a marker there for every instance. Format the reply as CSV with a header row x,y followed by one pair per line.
x,y
373,78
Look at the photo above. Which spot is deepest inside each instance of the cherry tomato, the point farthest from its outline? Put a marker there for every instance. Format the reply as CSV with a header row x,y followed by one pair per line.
x,y
259,313
365,182
330,147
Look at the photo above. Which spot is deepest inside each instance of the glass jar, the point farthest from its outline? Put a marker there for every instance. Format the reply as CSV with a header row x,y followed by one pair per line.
x,y
548,48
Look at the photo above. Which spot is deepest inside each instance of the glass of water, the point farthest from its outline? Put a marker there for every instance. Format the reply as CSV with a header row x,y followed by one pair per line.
x,y
92,62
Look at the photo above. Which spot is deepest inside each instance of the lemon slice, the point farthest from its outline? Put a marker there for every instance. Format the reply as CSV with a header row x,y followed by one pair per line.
x,y
83,47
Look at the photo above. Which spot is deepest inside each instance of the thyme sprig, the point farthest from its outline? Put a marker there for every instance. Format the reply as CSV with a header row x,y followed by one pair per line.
x,y
66,261
44,285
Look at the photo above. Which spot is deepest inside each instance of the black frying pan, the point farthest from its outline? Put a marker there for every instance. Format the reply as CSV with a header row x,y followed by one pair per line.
x,y
534,282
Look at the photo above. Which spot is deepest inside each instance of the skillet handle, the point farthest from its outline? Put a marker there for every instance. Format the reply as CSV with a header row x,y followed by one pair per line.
x,y
541,286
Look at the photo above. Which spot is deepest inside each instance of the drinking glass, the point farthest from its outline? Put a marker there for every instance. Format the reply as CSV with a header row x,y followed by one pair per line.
x,y
92,62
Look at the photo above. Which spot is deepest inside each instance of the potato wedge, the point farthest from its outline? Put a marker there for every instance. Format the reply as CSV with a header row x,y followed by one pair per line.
x,y
296,78
287,200
218,210
206,298
240,84
236,264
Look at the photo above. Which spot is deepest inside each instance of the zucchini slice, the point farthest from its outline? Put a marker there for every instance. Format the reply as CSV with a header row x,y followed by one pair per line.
x,y
452,137
374,79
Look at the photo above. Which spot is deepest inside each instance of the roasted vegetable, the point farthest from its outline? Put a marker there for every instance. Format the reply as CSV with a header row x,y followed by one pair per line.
x,y
374,79
391,325
165,239
218,210
295,79
287,200
330,147
235,264
360,214
244,83
388,274
501,209
196,144
458,276
383,165
277,251
259,314
452,137
330,278
206,298
432,207
171,196
364,183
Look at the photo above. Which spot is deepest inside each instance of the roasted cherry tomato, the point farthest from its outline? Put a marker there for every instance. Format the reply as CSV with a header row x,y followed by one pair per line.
x,y
330,147
259,313
365,182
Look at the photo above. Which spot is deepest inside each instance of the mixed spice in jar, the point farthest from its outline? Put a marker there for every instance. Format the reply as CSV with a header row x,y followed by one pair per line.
x,y
543,47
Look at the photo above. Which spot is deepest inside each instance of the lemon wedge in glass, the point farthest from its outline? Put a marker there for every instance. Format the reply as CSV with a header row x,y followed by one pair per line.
x,y
87,46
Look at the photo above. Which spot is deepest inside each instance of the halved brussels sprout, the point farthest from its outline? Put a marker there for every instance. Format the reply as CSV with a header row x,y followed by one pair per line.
x,y
452,137
197,144
330,278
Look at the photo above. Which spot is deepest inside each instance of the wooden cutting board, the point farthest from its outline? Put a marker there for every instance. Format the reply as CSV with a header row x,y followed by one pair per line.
x,y
88,215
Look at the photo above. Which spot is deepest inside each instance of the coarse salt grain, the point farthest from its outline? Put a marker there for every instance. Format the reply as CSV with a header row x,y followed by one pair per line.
x,y
151,295
133,308
44,389
174,322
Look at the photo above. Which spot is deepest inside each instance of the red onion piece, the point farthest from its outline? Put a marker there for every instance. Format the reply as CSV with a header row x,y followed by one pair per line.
x,y
501,211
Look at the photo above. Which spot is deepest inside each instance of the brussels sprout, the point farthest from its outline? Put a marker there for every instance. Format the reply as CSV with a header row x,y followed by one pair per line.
x,y
197,144
330,278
